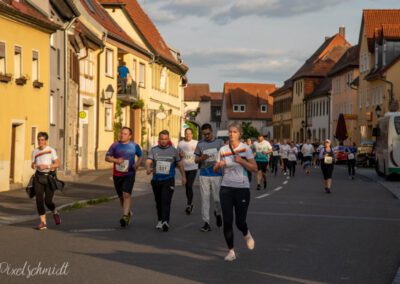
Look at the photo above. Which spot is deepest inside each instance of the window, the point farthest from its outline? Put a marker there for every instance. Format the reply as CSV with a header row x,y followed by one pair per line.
x,y
33,135
142,75
35,66
52,110
123,116
53,40
239,108
360,94
2,58
109,63
133,73
263,108
17,62
108,117
58,63
366,98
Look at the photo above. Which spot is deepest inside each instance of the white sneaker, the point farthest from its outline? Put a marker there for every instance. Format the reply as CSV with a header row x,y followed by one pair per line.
x,y
249,241
159,225
231,256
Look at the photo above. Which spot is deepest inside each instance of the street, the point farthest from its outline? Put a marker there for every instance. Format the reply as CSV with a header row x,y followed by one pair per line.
x,y
302,235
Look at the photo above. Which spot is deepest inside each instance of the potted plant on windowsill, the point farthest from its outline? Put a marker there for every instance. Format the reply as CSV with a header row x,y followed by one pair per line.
x,y
37,84
5,78
21,80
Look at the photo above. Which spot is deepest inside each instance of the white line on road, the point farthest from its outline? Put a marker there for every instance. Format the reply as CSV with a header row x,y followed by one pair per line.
x,y
287,177
91,230
278,188
285,182
264,195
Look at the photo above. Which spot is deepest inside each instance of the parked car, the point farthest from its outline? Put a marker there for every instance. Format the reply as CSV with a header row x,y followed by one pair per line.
x,y
340,154
366,154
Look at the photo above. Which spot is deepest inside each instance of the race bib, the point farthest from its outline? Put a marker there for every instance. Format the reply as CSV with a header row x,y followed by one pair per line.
x,y
189,158
350,156
212,154
328,160
123,167
163,167
275,153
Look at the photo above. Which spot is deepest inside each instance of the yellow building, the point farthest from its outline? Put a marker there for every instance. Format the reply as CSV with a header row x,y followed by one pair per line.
x,y
379,83
344,94
282,112
160,74
24,87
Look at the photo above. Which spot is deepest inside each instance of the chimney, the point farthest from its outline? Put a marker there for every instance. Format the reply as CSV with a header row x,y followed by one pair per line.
x,y
327,37
342,31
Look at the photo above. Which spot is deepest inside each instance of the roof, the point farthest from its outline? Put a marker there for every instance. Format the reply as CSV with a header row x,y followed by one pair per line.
x,y
287,86
377,73
252,95
65,8
323,89
216,99
149,31
97,12
25,12
197,93
373,19
350,59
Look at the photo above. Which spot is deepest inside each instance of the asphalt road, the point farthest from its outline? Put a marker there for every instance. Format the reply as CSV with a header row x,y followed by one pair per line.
x,y
302,236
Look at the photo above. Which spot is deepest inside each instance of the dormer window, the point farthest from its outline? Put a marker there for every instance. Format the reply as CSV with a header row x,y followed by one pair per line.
x,y
239,108
263,108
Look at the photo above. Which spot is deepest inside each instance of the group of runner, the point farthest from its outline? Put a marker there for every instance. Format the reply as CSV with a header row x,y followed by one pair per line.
x,y
225,171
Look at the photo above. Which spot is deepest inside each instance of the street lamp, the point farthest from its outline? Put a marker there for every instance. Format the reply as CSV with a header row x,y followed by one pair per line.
x,y
108,93
378,111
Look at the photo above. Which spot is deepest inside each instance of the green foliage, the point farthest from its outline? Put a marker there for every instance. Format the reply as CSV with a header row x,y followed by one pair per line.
x,y
195,129
249,131
138,104
118,120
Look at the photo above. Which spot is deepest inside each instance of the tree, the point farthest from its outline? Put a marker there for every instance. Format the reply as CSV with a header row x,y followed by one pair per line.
x,y
249,131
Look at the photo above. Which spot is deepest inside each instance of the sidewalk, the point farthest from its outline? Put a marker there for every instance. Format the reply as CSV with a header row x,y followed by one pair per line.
x,y
16,207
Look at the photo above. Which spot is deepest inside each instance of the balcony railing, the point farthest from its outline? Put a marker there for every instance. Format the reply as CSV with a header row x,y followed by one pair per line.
x,y
130,93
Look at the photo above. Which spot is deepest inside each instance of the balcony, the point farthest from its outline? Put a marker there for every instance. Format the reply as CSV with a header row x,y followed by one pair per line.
x,y
130,94
5,78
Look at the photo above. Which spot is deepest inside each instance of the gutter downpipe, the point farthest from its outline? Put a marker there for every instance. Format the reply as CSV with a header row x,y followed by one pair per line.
x,y
96,150
65,144
390,93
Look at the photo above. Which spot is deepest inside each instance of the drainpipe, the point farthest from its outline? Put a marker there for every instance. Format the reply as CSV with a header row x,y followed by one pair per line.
x,y
65,144
390,92
77,117
96,150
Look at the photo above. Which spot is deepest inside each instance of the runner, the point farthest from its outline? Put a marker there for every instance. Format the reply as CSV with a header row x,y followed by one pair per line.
x,y
292,157
307,150
263,149
284,151
327,159
122,153
276,156
249,143
351,160
186,149
206,154
236,160
45,162
161,162
316,153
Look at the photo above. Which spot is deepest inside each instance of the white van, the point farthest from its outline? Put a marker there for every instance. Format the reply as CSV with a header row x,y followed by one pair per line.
x,y
388,144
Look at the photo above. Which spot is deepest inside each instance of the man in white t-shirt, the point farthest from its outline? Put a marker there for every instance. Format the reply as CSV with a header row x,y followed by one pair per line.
x,y
186,149
262,151
45,162
307,150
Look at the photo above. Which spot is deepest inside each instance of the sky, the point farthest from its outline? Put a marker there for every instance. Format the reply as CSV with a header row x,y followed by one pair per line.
x,y
257,41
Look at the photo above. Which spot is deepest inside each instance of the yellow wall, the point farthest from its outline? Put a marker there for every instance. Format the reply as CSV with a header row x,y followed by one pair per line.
x,y
25,104
392,75
298,109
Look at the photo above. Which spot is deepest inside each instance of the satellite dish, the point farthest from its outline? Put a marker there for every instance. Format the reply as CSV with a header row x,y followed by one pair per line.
x,y
161,115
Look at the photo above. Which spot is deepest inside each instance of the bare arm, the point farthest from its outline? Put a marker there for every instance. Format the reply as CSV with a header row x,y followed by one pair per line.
x,y
138,163
182,171
149,166
249,165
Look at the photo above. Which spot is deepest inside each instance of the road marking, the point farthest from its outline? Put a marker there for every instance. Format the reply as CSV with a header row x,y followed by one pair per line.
x,y
285,182
91,230
327,216
278,188
287,177
291,279
264,195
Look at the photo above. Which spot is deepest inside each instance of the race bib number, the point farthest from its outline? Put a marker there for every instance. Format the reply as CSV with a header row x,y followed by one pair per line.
x,y
189,158
212,154
275,153
328,160
123,167
163,167
350,156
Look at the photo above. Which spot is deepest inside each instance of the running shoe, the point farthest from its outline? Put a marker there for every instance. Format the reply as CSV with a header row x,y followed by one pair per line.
x,y
265,184
124,221
249,241
231,256
258,186
219,219
327,190
189,209
57,218
159,225
42,226
206,227
165,226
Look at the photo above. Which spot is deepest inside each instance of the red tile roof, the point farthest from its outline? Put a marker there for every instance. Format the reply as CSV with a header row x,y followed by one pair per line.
x,y
97,12
373,19
147,28
287,86
252,95
350,59
197,93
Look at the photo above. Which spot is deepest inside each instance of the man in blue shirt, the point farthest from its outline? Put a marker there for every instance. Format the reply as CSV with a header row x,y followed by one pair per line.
x,y
123,73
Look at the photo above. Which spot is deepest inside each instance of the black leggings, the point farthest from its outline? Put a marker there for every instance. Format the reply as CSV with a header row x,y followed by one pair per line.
x,y
275,162
190,177
292,168
238,199
44,195
163,192
351,164
285,164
